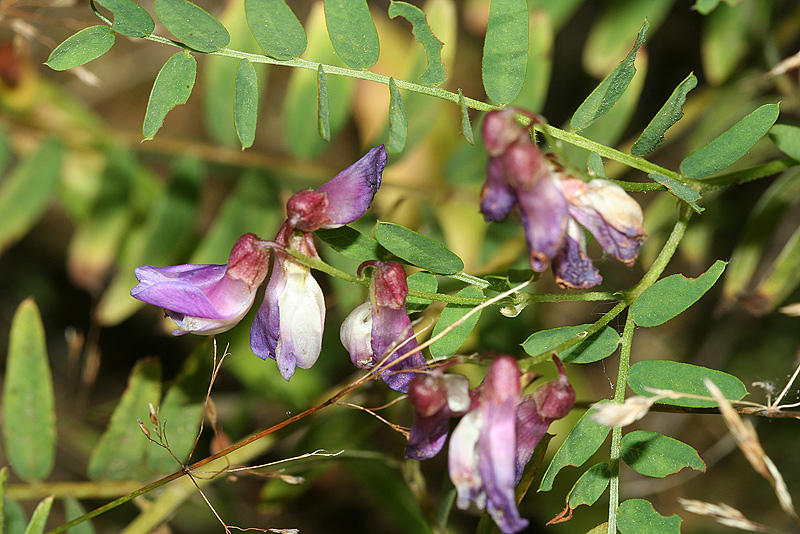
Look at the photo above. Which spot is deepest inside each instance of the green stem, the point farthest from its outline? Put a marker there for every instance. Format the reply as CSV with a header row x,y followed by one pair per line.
x,y
78,490
616,433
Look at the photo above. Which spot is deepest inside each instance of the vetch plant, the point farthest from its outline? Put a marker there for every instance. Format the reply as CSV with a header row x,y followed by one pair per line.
x,y
446,305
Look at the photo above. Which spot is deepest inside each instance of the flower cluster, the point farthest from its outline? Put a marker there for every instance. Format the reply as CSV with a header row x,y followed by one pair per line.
x,y
552,205
208,299
496,436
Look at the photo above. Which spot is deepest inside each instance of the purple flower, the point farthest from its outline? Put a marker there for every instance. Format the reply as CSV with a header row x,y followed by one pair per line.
x,y
551,204
482,454
207,299
288,326
384,336
436,397
493,442
342,199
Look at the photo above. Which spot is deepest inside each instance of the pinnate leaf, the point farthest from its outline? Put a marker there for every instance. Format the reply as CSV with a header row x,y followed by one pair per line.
x,y
192,25
451,342
787,139
435,72
649,375
637,516
122,446
417,249
88,44
656,455
246,103
172,88
587,489
29,419
352,32
671,112
682,191
610,89
581,443
672,295
129,18
731,145
398,122
24,194
74,509
505,50
599,346
276,28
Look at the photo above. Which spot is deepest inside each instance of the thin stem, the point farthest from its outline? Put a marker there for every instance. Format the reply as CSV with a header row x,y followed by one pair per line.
x,y
616,433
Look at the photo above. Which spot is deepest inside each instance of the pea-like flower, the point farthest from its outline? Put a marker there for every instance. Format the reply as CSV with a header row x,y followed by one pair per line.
x,y
551,204
207,299
436,397
289,324
493,442
384,336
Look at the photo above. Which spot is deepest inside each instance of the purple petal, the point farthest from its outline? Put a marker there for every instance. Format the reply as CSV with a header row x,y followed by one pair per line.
x,y
392,335
543,211
530,429
427,435
351,191
497,443
497,196
266,325
434,396
572,268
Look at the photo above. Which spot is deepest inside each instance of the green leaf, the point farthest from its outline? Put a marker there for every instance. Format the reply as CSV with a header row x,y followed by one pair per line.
x,y
398,123
276,28
73,509
192,25
731,145
466,125
601,345
172,87
656,455
122,447
787,139
352,32
683,378
246,103
671,112
24,194
435,72
610,89
182,410
682,191
352,244
672,295
421,281
581,443
540,61
781,195
129,18
417,249
88,44
590,486
595,165
323,105
726,41
39,517
450,343
637,516
3,480
599,529
29,413
704,7
505,50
